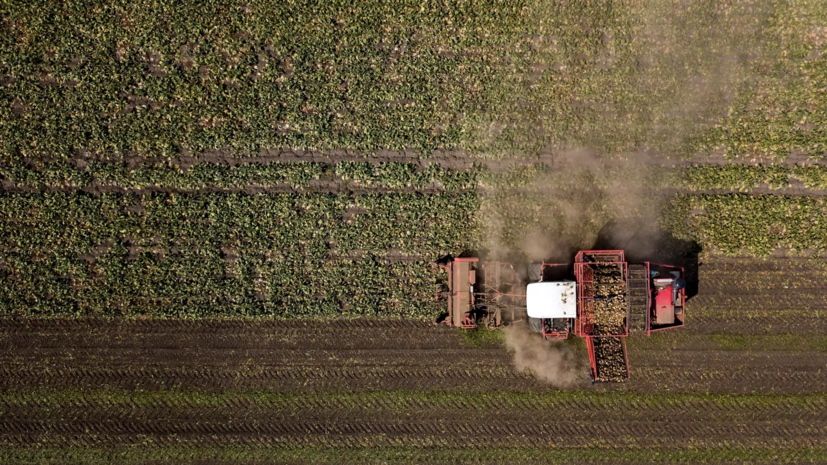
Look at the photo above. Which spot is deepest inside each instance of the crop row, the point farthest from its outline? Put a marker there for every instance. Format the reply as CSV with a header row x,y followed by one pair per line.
x,y
745,177
394,175
613,404
755,223
729,177
401,175
110,79
397,454
227,254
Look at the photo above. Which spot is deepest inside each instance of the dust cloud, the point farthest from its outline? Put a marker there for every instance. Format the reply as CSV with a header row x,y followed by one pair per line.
x,y
604,176
685,63
551,361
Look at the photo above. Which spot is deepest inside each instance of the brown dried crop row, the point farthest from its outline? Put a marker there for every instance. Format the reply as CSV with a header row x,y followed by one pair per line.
x,y
735,360
92,403
273,373
399,428
320,336
109,346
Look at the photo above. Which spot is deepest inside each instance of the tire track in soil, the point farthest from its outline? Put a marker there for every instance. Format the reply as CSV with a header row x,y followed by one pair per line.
x,y
283,379
389,408
449,432
275,358
748,296
477,370
453,159
747,324
717,371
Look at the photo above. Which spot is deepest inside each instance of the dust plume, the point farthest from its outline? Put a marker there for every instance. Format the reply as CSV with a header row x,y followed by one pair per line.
x,y
660,78
551,361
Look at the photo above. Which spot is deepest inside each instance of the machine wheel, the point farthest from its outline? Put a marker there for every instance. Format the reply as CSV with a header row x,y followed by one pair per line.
x,y
535,325
535,272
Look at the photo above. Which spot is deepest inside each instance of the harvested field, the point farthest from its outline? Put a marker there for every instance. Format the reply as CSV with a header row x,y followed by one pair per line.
x,y
90,388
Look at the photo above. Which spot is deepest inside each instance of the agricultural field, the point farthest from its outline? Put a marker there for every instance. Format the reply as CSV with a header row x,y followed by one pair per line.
x,y
219,223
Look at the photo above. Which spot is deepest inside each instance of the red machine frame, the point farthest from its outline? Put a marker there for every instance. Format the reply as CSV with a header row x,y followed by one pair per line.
x,y
651,302
495,294
454,295
491,292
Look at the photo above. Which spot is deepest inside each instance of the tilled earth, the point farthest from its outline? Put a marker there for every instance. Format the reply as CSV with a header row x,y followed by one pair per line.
x,y
755,331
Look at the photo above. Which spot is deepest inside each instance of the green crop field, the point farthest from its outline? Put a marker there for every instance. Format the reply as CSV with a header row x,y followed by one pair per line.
x,y
219,223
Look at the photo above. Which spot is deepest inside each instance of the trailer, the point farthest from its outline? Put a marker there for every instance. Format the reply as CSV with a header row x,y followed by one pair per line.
x,y
600,297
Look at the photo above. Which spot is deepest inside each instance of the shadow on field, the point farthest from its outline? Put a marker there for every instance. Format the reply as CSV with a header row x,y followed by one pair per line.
x,y
645,244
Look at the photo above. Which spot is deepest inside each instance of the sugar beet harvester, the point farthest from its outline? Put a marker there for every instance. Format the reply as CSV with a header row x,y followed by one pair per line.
x,y
606,299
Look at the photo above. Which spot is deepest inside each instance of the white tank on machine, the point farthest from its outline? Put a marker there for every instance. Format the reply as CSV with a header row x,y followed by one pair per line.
x,y
552,299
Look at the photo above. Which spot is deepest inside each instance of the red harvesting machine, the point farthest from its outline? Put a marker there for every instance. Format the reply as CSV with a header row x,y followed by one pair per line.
x,y
606,299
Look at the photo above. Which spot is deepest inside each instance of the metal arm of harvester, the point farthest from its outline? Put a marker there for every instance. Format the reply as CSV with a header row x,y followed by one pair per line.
x,y
489,294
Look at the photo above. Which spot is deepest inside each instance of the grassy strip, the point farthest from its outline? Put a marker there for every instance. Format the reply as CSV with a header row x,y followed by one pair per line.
x,y
401,401
759,224
545,454
227,254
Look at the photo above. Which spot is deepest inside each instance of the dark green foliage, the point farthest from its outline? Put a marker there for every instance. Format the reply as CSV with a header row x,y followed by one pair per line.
x,y
154,79
68,175
158,77
757,224
748,177
227,254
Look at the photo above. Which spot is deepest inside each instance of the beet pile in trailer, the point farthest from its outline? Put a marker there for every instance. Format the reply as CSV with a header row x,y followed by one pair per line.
x,y
599,298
